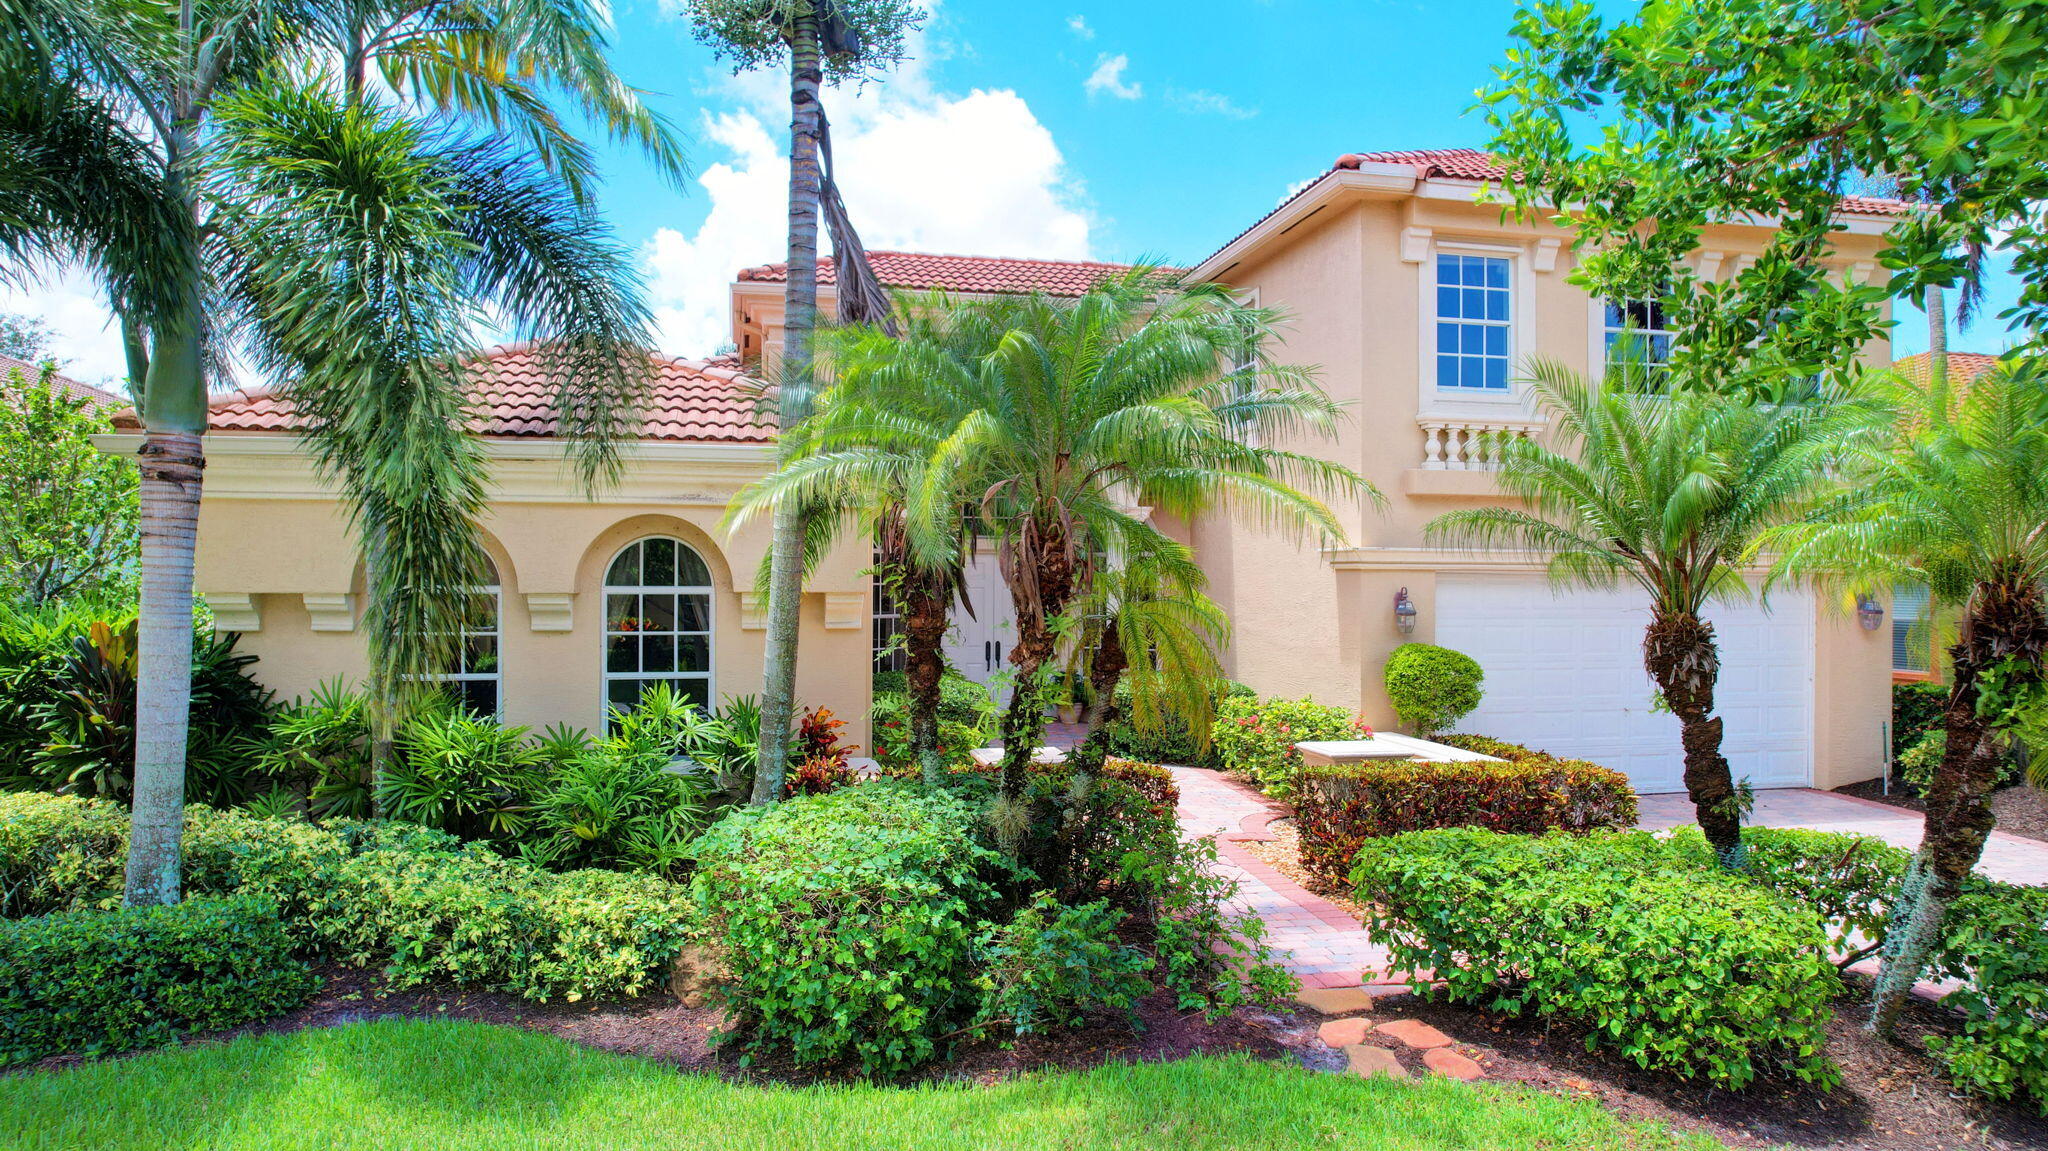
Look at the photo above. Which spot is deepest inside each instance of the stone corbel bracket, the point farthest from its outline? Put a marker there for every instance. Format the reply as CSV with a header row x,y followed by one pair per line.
x,y
330,611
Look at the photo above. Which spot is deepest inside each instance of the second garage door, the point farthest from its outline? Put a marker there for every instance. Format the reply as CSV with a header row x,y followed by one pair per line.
x,y
1564,673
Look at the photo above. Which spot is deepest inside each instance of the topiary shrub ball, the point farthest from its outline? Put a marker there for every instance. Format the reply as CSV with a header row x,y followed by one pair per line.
x,y
1432,687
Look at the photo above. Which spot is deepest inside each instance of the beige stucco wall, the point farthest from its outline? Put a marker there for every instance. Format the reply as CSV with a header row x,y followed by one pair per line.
x,y
1351,276
269,531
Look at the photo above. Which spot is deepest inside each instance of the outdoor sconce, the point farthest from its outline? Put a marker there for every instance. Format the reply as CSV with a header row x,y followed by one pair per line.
x,y
1404,612
1868,612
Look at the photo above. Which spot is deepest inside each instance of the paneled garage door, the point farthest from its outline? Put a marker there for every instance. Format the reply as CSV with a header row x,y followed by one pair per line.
x,y
1564,673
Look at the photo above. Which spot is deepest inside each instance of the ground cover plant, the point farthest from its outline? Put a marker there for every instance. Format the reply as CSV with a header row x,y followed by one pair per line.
x,y
363,1086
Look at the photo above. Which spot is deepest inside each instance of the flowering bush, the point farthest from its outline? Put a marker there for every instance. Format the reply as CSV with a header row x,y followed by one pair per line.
x,y
1256,737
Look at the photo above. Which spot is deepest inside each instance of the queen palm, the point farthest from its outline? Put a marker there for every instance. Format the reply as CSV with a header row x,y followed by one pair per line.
x,y
231,191
1046,421
1957,501
1667,492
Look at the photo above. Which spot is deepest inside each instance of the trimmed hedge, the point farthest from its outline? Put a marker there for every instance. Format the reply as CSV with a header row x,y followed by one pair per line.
x,y
1171,740
1339,807
1685,970
99,982
848,922
1432,687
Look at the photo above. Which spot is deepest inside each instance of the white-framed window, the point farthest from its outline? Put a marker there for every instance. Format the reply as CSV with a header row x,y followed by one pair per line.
x,y
1475,323
1634,332
888,623
657,623
1912,630
477,680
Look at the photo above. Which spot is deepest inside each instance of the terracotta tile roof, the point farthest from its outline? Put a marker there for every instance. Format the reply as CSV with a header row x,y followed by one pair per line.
x,y
1962,366
513,393
919,271
78,390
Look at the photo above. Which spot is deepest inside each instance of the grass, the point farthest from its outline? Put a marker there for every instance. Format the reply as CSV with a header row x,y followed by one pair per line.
x,y
420,1085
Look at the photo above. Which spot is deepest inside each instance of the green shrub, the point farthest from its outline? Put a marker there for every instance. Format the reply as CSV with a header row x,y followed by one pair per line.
x,y
1918,765
1338,807
1432,687
1916,710
967,717
1170,740
465,774
1256,737
1679,970
1054,966
1487,745
60,852
320,748
97,982
848,922
1849,881
1995,943
603,934
621,805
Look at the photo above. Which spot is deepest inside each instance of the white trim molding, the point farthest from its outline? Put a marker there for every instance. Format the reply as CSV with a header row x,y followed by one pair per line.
x,y
551,610
845,609
330,611
234,610
753,611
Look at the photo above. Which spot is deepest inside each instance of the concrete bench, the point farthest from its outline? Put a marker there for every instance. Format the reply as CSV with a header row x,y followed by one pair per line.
x,y
1385,745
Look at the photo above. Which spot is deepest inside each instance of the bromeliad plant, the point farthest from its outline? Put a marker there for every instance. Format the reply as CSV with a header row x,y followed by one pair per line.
x,y
1669,493
1955,499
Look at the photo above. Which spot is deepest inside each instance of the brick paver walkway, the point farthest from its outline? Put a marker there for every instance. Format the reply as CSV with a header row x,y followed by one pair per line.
x,y
1322,943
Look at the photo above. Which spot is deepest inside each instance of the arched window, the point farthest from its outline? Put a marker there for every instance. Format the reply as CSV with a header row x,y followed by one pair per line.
x,y
657,623
477,681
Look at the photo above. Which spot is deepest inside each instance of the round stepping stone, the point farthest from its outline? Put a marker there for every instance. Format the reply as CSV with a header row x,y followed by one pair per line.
x,y
1335,1000
1368,1061
1415,1033
1445,1061
1344,1032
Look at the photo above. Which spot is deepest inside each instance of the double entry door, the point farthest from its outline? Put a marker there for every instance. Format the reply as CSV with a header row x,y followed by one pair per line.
x,y
979,644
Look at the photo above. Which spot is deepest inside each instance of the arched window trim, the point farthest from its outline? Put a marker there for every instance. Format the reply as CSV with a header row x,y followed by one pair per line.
x,y
642,675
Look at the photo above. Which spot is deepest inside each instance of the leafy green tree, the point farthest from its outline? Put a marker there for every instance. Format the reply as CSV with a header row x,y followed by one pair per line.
x,y
229,190
26,338
1955,500
1697,112
817,40
1667,493
1043,422
68,524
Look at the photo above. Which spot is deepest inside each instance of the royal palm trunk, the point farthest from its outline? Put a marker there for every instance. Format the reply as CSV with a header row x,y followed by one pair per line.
x,y
800,307
2005,620
1681,657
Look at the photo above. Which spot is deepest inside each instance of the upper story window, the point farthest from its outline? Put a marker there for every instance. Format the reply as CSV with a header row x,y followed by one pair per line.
x,y
1474,316
1912,631
657,623
1635,332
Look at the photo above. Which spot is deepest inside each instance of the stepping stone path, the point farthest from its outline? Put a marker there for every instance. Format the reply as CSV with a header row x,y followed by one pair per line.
x,y
1368,1061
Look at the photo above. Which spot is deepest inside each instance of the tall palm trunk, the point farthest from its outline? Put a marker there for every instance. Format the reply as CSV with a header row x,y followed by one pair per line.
x,y
1680,655
2005,619
800,309
1039,594
1935,303
173,463
923,604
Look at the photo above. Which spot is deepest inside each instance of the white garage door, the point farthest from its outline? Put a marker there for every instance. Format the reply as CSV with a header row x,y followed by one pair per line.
x,y
1564,673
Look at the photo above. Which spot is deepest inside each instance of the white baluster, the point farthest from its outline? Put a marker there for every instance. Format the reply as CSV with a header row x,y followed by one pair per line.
x,y
1432,446
1461,447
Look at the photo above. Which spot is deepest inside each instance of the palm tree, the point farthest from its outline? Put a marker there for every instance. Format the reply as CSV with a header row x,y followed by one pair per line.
x,y
346,247
1956,500
1667,492
1046,421
840,39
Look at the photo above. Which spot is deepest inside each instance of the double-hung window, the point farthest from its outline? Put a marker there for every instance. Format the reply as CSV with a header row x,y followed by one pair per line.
x,y
476,680
1912,631
1474,322
1635,337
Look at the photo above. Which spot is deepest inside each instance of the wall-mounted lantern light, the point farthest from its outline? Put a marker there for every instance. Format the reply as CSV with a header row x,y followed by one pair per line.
x,y
1868,612
1404,612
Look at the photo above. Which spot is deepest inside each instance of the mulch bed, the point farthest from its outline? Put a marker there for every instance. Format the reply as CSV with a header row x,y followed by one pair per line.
x,y
659,1028
2021,811
1893,1097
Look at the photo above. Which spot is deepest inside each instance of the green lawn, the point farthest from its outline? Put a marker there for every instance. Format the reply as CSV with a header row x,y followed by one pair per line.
x,y
415,1085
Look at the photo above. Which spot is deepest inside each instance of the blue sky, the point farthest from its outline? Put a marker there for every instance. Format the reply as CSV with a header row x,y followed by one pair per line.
x,y
1108,131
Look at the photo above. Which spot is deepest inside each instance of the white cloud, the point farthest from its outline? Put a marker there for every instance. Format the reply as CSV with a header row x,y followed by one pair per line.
x,y
1109,77
920,170
1211,103
87,341
1079,26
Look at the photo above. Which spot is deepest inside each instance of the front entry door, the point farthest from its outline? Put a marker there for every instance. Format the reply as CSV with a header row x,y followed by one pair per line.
x,y
979,645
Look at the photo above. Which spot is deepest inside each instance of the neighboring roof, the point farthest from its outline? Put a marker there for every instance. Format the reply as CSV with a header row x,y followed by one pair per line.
x,y
989,274
77,390
1962,366
513,393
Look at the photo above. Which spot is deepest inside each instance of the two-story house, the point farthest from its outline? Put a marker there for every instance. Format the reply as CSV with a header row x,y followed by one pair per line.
x,y
1411,292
